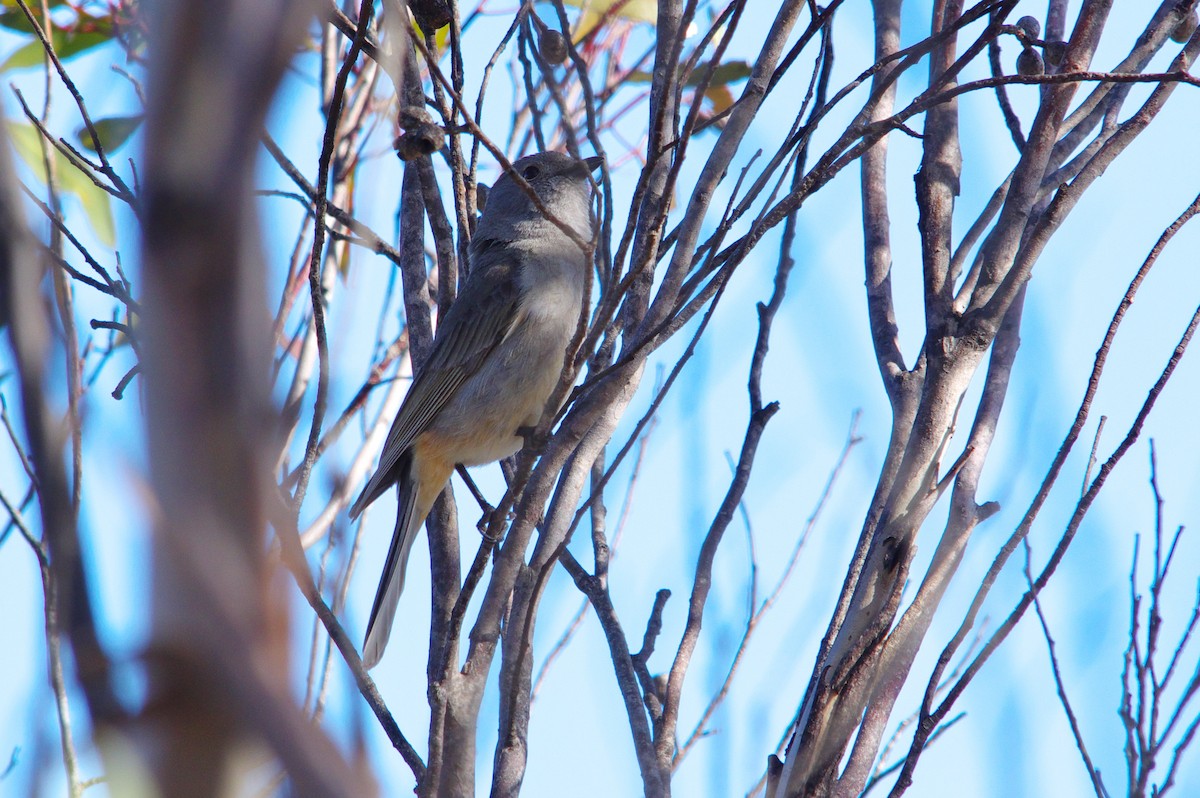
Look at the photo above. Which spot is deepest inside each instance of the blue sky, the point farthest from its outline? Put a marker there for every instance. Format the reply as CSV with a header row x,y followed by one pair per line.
x,y
1014,740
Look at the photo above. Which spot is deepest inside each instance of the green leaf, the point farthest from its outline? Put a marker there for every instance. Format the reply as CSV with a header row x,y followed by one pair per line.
x,y
13,18
26,141
723,75
441,37
594,12
113,131
720,97
633,10
94,200
13,4
85,34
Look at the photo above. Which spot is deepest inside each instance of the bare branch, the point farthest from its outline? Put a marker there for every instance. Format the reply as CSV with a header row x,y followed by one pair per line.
x,y
315,290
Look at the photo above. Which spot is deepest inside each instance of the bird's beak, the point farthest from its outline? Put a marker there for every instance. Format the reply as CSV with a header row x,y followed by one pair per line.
x,y
594,163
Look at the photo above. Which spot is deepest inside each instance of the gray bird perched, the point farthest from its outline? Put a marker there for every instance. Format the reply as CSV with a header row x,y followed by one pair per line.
x,y
496,357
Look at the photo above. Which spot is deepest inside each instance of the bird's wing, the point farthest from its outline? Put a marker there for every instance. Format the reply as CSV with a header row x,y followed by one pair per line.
x,y
481,317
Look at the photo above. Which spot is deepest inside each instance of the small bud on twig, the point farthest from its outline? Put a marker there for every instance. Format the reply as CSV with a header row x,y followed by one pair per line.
x,y
1031,26
1029,63
430,14
411,116
1186,27
418,140
553,46
420,136
1055,52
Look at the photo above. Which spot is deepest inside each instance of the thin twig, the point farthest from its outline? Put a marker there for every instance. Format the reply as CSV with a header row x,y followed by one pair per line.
x,y
314,265
293,557
929,716
1060,685
759,612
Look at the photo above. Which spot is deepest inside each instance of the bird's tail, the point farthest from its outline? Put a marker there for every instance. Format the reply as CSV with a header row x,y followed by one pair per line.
x,y
409,517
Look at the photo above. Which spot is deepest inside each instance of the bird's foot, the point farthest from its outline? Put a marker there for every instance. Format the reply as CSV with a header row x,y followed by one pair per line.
x,y
534,440
485,523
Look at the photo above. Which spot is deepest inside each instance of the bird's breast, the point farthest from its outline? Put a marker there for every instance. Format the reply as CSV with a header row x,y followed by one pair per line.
x,y
511,388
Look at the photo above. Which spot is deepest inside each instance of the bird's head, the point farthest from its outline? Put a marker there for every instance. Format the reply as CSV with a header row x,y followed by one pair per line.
x,y
562,183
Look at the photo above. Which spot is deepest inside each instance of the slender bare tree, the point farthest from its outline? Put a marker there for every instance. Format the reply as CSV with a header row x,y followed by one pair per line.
x,y
250,464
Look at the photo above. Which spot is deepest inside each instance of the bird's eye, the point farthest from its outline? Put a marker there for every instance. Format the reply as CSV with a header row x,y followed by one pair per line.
x,y
530,172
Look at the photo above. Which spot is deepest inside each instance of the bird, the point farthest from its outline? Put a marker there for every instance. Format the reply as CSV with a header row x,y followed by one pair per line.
x,y
496,356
